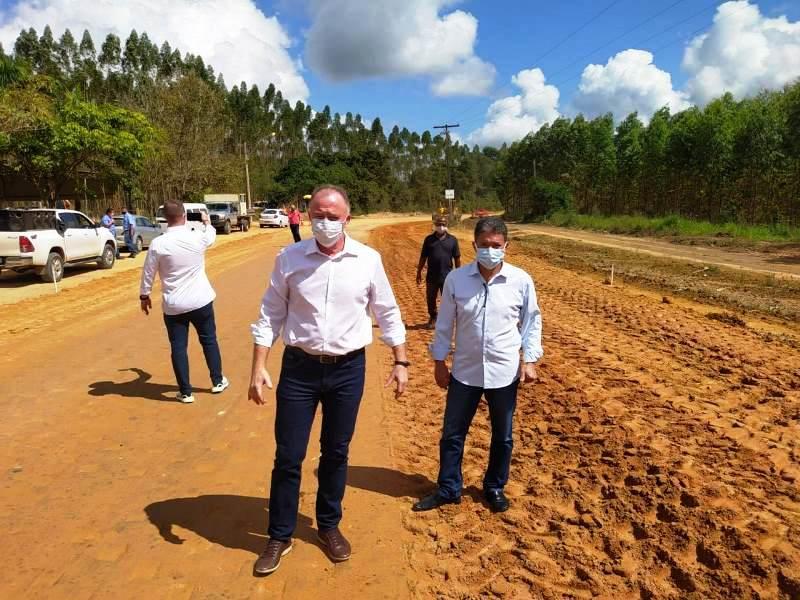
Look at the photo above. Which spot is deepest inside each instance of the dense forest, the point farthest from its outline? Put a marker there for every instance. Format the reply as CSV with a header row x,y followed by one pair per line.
x,y
155,124
151,123
731,161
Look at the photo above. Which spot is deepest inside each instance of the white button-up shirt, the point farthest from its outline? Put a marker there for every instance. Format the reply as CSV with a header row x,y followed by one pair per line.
x,y
493,320
178,257
323,303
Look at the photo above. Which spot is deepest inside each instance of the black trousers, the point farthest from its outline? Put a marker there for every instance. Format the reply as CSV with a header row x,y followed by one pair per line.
x,y
432,290
304,384
295,232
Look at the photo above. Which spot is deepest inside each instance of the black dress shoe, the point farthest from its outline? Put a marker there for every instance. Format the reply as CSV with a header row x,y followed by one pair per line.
x,y
433,501
497,500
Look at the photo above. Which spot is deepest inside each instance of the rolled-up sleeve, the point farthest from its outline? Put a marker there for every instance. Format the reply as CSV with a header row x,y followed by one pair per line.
x,y
209,235
274,307
383,305
531,326
445,321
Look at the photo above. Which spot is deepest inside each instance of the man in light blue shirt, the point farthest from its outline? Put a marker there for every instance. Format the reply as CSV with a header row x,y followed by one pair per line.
x,y
108,222
493,307
129,231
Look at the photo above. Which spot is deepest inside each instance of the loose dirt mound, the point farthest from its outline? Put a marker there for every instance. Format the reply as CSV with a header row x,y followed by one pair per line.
x,y
656,458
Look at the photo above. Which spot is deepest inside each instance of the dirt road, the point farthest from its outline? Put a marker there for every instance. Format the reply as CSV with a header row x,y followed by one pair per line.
x,y
111,490
656,458
785,264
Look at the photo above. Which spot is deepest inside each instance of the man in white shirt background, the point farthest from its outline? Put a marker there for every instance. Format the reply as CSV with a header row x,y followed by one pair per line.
x,y
178,257
493,307
321,296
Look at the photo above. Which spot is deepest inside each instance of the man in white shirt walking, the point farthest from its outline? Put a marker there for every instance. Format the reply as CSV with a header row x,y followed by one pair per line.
x,y
321,294
494,310
178,257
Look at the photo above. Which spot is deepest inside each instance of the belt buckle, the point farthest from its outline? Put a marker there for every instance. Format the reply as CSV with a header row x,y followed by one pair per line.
x,y
328,360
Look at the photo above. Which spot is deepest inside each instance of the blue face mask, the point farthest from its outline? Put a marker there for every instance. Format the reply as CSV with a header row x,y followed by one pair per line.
x,y
489,258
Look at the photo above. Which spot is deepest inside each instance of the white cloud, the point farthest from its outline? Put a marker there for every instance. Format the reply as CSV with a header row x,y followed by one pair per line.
x,y
743,53
353,39
233,36
628,82
513,117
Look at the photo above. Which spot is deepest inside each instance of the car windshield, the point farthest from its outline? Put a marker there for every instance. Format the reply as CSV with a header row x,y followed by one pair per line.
x,y
271,212
160,213
217,206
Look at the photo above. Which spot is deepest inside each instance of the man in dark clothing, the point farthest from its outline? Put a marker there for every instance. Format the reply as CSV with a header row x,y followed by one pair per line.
x,y
440,251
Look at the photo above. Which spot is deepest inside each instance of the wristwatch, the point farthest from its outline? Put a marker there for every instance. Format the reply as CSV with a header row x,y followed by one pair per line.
x,y
402,363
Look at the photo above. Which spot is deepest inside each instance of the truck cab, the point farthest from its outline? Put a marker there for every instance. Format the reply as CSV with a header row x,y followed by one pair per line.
x,y
194,216
227,211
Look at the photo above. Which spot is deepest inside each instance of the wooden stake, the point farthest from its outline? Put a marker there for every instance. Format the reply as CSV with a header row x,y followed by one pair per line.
x,y
612,275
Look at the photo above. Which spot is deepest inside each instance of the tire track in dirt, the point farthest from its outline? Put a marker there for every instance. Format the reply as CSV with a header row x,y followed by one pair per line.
x,y
657,457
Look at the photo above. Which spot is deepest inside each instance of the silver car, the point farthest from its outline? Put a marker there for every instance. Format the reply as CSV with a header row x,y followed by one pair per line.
x,y
146,231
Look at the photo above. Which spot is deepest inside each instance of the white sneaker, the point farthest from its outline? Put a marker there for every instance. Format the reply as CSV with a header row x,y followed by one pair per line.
x,y
188,399
221,386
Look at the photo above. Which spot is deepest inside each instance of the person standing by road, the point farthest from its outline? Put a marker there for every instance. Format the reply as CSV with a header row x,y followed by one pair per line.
x,y
440,251
493,307
129,231
108,222
320,296
295,220
178,257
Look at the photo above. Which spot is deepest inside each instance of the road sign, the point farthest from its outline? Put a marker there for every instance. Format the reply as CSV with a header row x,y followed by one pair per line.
x,y
449,194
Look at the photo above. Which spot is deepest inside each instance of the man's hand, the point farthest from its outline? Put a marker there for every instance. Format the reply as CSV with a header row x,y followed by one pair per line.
x,y
147,304
204,217
400,376
528,373
441,374
258,380
419,278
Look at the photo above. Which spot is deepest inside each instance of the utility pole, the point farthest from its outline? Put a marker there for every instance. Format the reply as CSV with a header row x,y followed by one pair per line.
x,y
447,127
247,175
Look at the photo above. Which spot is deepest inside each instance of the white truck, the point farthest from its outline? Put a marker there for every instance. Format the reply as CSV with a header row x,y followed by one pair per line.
x,y
45,240
227,211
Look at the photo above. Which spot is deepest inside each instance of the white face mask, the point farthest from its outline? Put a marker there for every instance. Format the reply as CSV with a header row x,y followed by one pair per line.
x,y
489,258
440,229
326,232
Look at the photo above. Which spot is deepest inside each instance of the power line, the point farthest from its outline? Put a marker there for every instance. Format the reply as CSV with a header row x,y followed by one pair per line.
x,y
654,50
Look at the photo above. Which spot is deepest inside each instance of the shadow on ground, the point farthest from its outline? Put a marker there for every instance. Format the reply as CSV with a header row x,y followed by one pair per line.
x,y
237,522
141,387
388,481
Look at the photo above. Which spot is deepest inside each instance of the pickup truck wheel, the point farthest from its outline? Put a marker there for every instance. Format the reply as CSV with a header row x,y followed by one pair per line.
x,y
245,225
226,229
106,260
53,268
139,245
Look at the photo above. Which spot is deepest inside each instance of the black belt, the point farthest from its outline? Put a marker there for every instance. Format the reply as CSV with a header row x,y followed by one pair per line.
x,y
325,359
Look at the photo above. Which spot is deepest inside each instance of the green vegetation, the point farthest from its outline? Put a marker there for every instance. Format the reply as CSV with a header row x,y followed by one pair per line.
x,y
730,161
196,132
674,226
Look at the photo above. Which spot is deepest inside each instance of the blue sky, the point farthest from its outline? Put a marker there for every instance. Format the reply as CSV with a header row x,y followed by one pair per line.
x,y
500,68
512,35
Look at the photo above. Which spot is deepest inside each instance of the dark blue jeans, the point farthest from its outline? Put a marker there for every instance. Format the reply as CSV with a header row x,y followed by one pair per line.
x,y
303,384
178,332
462,402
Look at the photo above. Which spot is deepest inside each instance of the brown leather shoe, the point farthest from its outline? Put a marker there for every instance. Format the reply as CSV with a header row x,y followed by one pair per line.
x,y
335,545
270,559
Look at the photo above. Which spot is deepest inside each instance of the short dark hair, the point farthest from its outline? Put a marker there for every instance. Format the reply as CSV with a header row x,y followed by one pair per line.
x,y
173,210
109,209
491,225
335,188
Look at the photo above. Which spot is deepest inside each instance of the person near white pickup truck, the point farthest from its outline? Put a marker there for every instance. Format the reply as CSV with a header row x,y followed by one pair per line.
x,y
178,257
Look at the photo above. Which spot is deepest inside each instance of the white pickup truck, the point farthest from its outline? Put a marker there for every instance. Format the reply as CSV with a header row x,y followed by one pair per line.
x,y
46,240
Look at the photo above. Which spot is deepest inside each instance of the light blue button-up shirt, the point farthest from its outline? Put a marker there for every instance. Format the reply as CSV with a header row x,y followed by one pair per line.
x,y
493,320
109,222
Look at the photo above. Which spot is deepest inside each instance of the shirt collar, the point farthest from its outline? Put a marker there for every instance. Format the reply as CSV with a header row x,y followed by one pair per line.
x,y
473,270
350,248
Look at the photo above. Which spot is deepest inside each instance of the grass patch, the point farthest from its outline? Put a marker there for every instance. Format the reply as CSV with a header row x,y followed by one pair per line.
x,y
674,226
